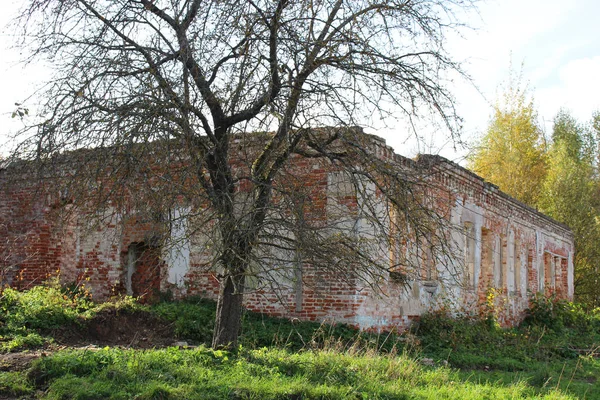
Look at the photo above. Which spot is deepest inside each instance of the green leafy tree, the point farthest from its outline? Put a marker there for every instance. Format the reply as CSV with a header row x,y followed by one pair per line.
x,y
595,134
511,153
568,134
570,195
578,140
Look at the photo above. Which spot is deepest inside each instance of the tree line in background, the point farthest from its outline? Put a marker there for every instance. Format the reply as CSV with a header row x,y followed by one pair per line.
x,y
557,173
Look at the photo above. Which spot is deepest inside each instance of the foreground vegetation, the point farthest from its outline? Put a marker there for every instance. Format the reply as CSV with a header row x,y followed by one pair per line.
x,y
552,355
261,374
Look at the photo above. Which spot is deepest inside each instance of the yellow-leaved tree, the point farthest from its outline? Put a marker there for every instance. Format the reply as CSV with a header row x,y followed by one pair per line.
x,y
511,152
570,195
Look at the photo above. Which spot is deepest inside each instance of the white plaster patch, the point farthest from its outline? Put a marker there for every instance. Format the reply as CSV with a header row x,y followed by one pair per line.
x,y
177,254
369,322
570,277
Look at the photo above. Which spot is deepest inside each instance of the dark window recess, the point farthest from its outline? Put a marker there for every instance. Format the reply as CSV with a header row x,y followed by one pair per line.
x,y
142,272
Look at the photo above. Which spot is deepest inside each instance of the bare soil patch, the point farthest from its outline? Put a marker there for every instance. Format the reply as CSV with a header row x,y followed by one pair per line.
x,y
123,328
19,361
110,327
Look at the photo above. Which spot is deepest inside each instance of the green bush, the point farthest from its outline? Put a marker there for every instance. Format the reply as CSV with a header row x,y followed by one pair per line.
x,y
442,332
14,384
260,330
29,318
559,315
42,308
193,318
26,316
553,331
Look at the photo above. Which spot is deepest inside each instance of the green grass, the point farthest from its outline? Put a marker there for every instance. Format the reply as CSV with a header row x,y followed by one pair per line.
x,y
259,374
28,319
548,350
15,384
193,320
281,359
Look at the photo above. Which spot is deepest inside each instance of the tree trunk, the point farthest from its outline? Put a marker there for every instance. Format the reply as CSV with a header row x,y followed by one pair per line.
x,y
228,320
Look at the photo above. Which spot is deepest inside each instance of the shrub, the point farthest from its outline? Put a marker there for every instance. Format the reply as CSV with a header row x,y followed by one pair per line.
x,y
41,307
193,317
28,318
559,315
440,331
27,315
14,384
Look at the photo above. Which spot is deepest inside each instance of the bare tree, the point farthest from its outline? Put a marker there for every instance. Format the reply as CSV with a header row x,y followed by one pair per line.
x,y
180,81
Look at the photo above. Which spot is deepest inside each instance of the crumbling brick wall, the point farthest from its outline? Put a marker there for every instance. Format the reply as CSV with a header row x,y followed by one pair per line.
x,y
501,251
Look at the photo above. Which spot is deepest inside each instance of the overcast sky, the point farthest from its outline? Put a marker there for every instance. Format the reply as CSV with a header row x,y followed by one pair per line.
x,y
558,44
556,40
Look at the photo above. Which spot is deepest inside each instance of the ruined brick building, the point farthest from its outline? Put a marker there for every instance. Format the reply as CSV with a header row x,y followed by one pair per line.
x,y
497,243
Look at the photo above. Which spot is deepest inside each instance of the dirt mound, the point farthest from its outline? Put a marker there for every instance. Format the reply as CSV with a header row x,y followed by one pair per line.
x,y
18,361
110,327
124,328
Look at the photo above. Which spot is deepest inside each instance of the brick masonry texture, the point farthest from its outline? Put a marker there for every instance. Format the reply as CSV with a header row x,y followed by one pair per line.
x,y
499,246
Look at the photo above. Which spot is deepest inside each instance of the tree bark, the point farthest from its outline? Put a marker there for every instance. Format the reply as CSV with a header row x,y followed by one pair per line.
x,y
228,320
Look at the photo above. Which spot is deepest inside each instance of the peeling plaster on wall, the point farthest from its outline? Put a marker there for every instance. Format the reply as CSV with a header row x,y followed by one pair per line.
x,y
523,270
130,269
478,252
187,266
413,302
451,276
510,262
177,255
497,259
370,322
71,254
570,276
539,239
474,214
98,254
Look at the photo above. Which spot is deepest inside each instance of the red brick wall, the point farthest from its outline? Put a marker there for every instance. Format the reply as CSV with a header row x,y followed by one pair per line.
x,y
36,245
